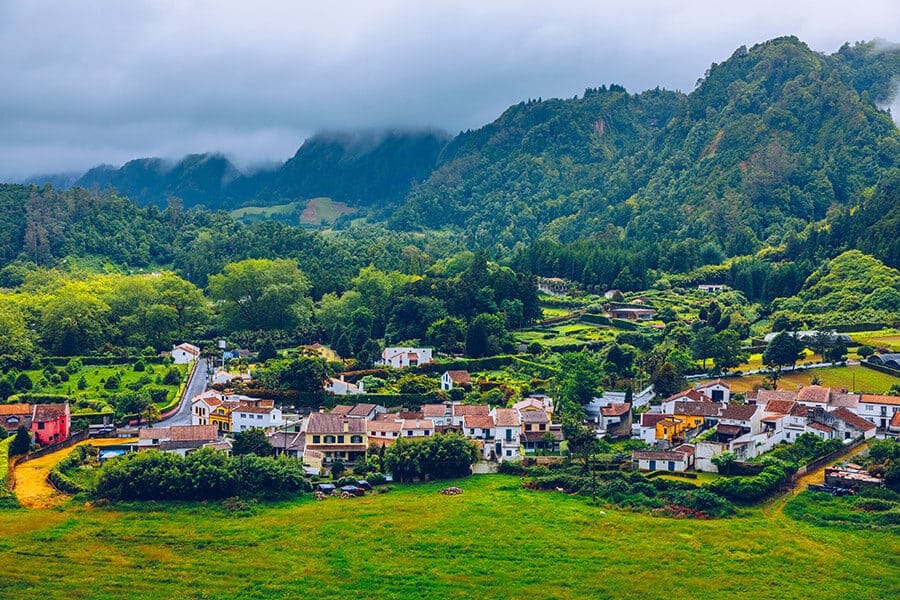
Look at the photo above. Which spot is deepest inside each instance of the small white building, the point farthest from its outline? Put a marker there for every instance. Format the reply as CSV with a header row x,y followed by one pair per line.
x,y
663,460
878,409
411,428
339,387
718,390
455,378
507,427
441,414
184,353
180,439
405,357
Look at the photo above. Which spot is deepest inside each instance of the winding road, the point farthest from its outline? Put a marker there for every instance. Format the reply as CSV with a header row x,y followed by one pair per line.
x,y
196,385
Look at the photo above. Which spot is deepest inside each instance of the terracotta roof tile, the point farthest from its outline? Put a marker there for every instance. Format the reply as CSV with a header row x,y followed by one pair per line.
x,y
697,409
506,417
462,410
852,419
880,399
194,433
479,421
658,455
331,423
15,409
739,412
434,410
460,377
814,393
616,409
779,406
48,412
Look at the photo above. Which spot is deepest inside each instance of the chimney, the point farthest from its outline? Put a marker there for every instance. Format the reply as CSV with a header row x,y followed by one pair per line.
x,y
360,387
346,425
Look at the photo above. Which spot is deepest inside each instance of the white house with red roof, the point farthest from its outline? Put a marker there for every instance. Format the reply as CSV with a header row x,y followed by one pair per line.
x,y
184,353
405,357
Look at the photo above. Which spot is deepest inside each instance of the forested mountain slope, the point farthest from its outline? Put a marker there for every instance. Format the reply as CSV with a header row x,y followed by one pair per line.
x,y
770,141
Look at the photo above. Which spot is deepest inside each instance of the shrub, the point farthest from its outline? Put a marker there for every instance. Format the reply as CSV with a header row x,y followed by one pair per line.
x,y
172,377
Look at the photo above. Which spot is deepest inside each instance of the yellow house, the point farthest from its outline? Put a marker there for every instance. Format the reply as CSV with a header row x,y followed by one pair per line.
x,y
673,427
336,436
221,416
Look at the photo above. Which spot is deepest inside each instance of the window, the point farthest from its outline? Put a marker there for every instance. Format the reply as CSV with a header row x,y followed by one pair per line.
x,y
509,435
395,434
356,439
409,432
542,427
340,439
427,432
671,465
40,425
471,432
329,439
509,452
868,407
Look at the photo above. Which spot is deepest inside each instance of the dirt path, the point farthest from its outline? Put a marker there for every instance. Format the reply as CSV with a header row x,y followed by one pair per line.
x,y
31,485
776,509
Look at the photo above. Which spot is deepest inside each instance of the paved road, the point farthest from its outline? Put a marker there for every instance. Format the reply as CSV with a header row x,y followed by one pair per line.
x,y
196,385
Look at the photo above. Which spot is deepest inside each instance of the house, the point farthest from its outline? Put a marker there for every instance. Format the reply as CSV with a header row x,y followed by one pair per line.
x,y
339,387
14,415
894,425
366,411
737,420
711,288
336,436
547,440
220,416
459,378
719,390
481,429
535,402
662,460
553,286
647,427
841,424
203,405
50,423
461,411
693,395
405,357
410,428
878,409
615,419
184,353
288,442
441,414
180,439
383,432
507,427
255,414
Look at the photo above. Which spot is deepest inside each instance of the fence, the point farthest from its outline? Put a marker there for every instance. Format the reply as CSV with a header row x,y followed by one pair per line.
x,y
879,368
73,439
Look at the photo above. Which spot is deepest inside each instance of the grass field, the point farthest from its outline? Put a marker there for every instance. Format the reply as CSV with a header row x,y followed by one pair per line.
x,y
496,540
95,376
314,212
566,334
856,379
885,338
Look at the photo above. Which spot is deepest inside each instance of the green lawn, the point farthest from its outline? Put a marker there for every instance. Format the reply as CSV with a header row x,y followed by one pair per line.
x,y
95,376
884,338
566,334
496,540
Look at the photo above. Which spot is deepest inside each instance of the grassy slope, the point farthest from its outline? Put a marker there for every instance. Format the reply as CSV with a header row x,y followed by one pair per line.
x,y
497,540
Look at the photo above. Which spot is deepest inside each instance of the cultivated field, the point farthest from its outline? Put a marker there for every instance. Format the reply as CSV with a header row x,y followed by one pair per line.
x,y
496,540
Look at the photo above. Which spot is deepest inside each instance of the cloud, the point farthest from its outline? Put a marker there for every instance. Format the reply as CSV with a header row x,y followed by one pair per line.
x,y
107,81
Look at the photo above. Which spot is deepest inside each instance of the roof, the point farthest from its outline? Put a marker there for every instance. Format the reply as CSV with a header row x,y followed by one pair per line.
x,y
710,384
194,433
800,410
779,406
739,412
895,420
651,419
538,436
251,408
48,412
689,449
691,394
766,396
409,424
880,399
332,423
361,410
15,409
189,348
461,377
479,421
506,417
534,416
854,420
616,409
462,410
287,440
729,429
383,426
434,410
342,409
814,393
529,402
820,426
848,400
210,400
659,455
155,433
697,409
774,417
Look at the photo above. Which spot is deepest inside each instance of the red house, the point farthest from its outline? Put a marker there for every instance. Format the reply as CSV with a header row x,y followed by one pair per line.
x,y
50,423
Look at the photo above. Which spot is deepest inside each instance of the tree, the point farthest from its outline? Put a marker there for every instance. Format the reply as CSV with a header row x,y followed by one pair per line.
x,y
783,349
368,354
411,383
6,390
836,352
582,441
726,350
702,344
267,351
621,357
262,294
666,380
821,341
411,316
724,461
251,441
74,321
578,383
22,442
865,351
448,335
23,383
487,336
337,468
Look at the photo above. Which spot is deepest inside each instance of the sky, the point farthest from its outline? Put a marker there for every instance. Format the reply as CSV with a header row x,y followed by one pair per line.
x,y
106,81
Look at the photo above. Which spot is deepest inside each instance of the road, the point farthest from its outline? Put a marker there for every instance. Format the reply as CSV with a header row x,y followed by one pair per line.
x,y
196,385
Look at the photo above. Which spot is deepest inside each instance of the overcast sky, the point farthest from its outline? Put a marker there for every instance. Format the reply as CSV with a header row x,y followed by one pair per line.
x,y
105,81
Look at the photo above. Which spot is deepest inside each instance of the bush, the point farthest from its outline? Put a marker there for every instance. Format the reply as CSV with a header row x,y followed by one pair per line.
x,y
139,366
376,478
172,377
510,467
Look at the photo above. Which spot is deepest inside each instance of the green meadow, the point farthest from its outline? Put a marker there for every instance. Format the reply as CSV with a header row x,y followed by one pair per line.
x,y
496,540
